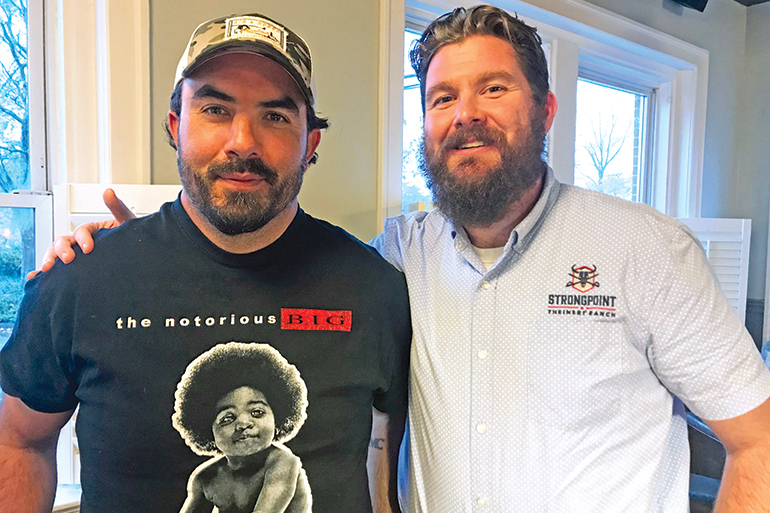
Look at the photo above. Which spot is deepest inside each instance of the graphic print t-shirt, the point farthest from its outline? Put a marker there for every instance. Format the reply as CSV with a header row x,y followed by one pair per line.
x,y
114,331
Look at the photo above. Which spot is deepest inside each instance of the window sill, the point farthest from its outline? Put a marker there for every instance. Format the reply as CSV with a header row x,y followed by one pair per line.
x,y
67,499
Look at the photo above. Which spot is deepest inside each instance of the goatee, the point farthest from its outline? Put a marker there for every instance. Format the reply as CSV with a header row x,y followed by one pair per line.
x,y
481,195
239,212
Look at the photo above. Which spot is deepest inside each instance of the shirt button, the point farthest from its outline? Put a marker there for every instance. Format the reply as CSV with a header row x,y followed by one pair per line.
x,y
481,501
485,285
481,428
482,354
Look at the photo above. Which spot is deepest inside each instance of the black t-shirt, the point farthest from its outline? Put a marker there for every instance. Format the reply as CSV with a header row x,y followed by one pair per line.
x,y
114,332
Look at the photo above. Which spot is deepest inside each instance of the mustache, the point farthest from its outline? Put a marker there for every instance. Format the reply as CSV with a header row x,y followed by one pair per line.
x,y
254,166
481,133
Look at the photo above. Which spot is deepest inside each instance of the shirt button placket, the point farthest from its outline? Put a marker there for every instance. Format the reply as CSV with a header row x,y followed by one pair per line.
x,y
481,393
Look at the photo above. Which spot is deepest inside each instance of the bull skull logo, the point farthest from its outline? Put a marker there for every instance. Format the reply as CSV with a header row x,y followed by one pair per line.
x,y
583,278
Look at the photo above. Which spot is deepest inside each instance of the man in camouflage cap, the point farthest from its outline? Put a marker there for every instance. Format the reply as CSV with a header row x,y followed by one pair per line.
x,y
234,259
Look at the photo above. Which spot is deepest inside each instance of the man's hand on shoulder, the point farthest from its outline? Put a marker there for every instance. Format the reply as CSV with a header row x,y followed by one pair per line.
x,y
83,234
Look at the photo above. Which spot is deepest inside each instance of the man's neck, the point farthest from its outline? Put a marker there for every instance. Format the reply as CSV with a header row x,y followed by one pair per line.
x,y
496,234
245,242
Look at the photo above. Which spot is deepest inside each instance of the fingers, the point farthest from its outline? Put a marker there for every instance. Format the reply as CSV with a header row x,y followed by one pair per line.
x,y
49,258
119,209
83,236
62,248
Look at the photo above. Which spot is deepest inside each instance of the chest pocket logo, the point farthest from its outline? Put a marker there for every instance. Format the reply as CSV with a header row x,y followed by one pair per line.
x,y
583,278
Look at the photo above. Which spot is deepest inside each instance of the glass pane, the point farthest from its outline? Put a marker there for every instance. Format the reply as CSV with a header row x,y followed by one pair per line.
x,y
14,110
609,141
17,258
413,189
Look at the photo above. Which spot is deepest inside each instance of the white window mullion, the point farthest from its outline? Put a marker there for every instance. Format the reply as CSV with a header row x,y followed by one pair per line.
x,y
38,163
391,113
561,138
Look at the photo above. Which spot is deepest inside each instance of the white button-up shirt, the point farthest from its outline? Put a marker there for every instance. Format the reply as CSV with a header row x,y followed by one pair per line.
x,y
547,383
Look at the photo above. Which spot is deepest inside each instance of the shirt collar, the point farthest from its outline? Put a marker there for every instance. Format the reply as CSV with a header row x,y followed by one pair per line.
x,y
522,235
526,230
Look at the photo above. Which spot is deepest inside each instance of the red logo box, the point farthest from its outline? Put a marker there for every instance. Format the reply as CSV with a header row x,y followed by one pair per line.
x,y
306,319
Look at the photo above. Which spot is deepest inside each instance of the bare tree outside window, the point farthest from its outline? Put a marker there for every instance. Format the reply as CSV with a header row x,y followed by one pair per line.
x,y
14,111
606,141
17,229
609,140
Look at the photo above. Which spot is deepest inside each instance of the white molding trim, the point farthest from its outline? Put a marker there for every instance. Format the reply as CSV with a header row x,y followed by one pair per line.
x,y
391,114
98,79
36,82
564,74
75,204
766,321
43,209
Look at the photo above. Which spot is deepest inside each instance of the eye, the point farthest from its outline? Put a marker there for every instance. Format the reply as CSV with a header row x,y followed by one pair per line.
x,y
495,89
442,99
277,117
215,110
258,413
226,419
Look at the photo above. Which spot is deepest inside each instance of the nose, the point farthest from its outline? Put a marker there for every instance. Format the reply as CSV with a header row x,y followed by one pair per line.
x,y
468,112
244,422
243,142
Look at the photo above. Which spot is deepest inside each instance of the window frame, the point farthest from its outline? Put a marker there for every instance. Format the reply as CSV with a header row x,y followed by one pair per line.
x,y
649,127
37,197
574,32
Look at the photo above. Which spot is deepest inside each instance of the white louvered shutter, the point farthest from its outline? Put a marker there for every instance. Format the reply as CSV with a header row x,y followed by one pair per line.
x,y
726,242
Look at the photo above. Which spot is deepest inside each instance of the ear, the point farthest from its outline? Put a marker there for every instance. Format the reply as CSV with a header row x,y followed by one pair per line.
x,y
173,126
313,139
550,110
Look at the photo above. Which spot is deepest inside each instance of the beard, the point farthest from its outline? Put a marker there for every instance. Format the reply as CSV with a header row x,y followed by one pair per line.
x,y
238,212
476,194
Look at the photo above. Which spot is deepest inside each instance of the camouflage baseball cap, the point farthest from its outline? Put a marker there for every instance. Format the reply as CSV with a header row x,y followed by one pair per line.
x,y
249,33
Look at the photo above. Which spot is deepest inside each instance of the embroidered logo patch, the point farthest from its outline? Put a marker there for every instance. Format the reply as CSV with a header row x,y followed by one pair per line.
x,y
583,278
306,319
257,29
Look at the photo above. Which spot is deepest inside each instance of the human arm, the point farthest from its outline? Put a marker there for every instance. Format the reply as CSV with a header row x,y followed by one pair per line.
x,y
196,501
282,469
745,484
83,234
382,463
28,467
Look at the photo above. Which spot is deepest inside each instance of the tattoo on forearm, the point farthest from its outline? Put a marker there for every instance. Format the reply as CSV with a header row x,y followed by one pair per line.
x,y
377,443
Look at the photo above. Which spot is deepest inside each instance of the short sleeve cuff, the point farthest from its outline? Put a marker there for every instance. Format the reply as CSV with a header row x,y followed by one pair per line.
x,y
743,401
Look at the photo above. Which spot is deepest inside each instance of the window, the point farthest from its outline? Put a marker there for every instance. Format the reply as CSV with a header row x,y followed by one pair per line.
x,y
653,137
25,207
414,192
613,139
